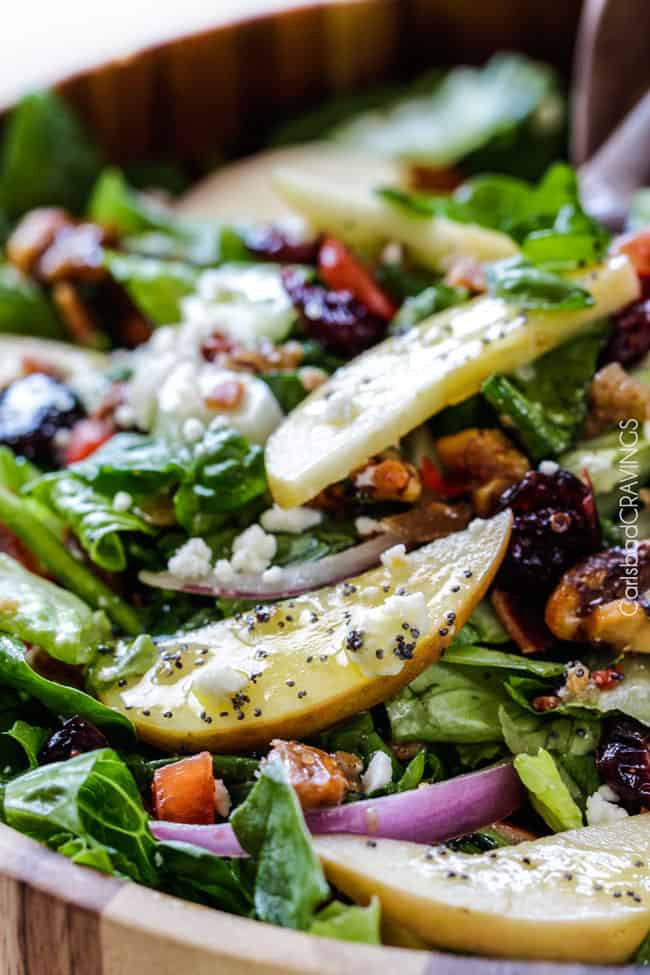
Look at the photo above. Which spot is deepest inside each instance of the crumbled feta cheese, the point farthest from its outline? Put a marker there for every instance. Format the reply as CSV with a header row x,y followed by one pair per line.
x,y
291,520
222,801
192,560
218,680
381,638
548,467
379,773
122,501
124,415
602,807
223,572
253,550
193,429
368,526
366,479
273,575
393,558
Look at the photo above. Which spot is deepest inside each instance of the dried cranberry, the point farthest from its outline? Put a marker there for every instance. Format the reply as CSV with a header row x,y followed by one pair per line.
x,y
271,244
335,318
32,411
75,737
555,524
630,339
623,761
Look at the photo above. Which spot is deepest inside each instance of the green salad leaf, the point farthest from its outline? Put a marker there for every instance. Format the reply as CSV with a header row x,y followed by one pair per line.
x,y
530,286
432,299
197,875
24,307
547,790
349,922
155,286
289,880
132,462
92,798
20,746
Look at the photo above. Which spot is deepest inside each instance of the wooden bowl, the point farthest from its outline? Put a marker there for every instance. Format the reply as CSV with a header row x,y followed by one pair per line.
x,y
195,98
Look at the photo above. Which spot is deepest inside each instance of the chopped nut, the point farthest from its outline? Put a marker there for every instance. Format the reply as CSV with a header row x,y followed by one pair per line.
x,y
389,480
76,318
614,395
34,234
317,777
74,254
226,395
487,459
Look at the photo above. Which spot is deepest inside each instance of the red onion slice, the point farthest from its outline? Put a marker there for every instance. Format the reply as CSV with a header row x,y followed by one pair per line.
x,y
430,814
295,579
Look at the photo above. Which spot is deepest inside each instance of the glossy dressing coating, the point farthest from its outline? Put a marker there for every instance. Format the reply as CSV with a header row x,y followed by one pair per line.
x,y
290,667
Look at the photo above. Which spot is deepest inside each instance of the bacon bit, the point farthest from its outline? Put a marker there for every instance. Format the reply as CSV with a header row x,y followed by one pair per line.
x,y
86,436
605,680
75,253
426,522
34,234
76,318
389,480
316,776
439,179
523,621
450,486
341,271
546,702
636,246
466,272
614,395
184,792
226,395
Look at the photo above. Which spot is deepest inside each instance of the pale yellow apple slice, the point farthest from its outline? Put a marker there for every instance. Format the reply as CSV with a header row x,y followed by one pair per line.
x,y
68,360
298,666
243,191
362,218
582,896
376,399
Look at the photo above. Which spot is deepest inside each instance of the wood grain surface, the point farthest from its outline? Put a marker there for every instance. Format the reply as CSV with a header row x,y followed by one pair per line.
x,y
214,92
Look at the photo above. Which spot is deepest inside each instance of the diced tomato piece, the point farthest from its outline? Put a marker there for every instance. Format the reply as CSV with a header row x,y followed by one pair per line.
x,y
86,437
341,271
637,247
184,792
446,485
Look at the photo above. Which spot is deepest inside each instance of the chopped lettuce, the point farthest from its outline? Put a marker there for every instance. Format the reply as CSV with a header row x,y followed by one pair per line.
x,y
197,875
349,922
24,307
156,287
547,790
433,299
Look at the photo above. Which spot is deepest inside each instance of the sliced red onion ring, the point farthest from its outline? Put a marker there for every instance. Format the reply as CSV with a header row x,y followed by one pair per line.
x,y
294,581
430,814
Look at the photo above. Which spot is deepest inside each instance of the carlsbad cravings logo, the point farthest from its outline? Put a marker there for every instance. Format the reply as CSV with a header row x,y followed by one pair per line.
x,y
628,508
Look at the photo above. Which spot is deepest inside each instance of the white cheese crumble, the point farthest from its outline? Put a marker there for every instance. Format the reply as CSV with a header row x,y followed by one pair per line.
x,y
192,430
548,467
368,526
393,558
380,639
223,572
379,773
218,680
603,808
192,560
253,550
291,520
122,501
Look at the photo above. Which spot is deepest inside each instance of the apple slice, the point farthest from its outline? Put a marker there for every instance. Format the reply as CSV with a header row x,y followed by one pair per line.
x,y
583,895
363,219
66,359
376,399
243,190
297,666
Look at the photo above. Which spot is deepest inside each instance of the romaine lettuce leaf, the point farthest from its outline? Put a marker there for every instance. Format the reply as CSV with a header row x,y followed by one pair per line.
x,y
547,791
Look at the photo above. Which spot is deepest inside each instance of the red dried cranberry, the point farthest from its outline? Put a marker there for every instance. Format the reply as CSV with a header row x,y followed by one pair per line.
x,y
271,244
74,737
555,524
335,318
623,761
630,339
32,411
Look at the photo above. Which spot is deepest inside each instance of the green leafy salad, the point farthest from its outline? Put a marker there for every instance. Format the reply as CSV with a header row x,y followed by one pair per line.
x,y
324,535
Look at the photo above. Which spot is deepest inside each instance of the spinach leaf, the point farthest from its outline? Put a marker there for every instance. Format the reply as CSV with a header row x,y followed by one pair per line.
x,y
40,612
581,775
92,797
642,956
196,875
524,731
129,658
155,286
540,435
24,306
224,474
349,922
547,791
287,387
532,287
134,463
289,880
20,746
92,517
358,736
479,656
433,299
61,700
113,203
46,157
327,538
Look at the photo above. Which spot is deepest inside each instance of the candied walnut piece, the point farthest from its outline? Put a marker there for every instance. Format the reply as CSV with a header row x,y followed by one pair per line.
x,y
487,459
33,235
317,777
226,395
77,320
75,254
599,600
391,479
614,395
434,179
